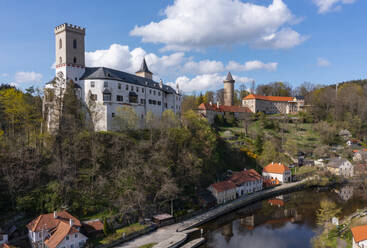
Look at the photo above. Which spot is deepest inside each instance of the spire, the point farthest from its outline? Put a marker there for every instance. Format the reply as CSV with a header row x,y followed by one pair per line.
x,y
144,67
229,77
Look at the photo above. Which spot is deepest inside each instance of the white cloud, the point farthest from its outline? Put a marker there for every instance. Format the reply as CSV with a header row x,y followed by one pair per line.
x,y
196,24
322,62
204,82
27,77
251,65
4,74
330,5
203,67
120,57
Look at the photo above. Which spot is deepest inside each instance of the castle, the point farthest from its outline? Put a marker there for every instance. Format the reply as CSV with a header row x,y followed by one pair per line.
x,y
273,104
103,89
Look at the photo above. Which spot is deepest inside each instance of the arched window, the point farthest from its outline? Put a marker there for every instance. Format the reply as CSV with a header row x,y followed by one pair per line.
x,y
60,60
74,44
60,44
74,60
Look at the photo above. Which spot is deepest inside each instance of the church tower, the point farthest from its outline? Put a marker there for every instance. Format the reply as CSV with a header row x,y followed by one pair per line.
x,y
229,90
144,71
70,51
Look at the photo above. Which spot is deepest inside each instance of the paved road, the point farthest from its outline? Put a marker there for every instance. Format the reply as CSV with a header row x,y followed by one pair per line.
x,y
166,232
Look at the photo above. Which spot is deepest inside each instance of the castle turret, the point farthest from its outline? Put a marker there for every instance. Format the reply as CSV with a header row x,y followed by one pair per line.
x,y
229,90
144,71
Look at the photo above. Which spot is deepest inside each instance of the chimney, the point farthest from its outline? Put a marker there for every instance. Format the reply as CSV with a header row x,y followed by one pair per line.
x,y
210,103
161,83
71,222
55,214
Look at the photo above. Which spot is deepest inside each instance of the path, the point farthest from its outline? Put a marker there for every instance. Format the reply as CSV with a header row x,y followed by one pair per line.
x,y
167,232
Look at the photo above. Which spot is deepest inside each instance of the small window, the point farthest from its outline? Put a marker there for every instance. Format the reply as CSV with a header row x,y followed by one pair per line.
x,y
74,60
137,89
142,101
107,97
127,87
150,101
105,84
132,88
153,92
150,91
119,86
165,105
74,44
159,103
113,114
119,98
76,79
142,90
67,237
159,93
60,44
92,84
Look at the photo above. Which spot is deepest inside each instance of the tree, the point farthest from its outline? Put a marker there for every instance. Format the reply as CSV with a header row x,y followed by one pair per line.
x,y
328,209
126,118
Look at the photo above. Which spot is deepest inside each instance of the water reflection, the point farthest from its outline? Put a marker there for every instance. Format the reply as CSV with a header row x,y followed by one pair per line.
x,y
281,222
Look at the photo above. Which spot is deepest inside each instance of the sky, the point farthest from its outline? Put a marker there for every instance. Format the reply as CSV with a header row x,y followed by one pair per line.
x,y
192,43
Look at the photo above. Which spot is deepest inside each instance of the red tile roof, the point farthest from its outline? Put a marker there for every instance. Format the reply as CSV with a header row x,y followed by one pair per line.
x,y
93,226
48,221
359,233
208,106
276,168
58,235
223,186
245,176
269,98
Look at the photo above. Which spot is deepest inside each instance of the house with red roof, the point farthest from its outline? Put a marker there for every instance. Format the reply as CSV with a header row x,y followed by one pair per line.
x,y
359,236
223,191
58,229
277,171
210,111
247,182
273,104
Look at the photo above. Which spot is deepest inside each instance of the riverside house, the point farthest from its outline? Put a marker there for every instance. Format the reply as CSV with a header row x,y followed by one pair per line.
x,y
247,181
359,236
277,171
340,167
223,191
58,229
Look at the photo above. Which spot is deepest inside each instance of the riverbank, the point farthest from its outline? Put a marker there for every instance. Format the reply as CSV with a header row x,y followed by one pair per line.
x,y
167,232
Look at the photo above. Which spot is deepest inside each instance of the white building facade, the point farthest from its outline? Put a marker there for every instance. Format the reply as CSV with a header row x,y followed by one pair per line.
x,y
103,90
277,171
247,182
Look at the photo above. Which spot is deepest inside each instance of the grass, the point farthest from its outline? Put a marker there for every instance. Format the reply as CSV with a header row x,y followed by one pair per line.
x,y
148,245
118,234
304,170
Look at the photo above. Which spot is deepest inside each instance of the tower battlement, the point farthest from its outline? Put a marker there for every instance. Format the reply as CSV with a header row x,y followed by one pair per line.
x,y
69,27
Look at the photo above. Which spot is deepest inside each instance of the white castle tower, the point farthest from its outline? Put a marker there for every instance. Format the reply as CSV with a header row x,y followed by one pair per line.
x,y
70,51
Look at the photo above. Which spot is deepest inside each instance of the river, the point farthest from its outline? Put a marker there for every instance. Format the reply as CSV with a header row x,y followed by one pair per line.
x,y
281,222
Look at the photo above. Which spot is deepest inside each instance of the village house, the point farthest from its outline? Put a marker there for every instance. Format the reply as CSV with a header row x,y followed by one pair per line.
x,y
360,156
247,182
340,167
223,191
359,236
277,171
273,104
58,229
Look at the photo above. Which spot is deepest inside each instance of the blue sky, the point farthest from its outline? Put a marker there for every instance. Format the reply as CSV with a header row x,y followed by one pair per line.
x,y
192,43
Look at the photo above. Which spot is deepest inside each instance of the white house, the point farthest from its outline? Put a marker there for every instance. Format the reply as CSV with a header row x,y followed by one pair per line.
x,y
103,91
247,182
359,236
277,171
58,229
223,191
340,167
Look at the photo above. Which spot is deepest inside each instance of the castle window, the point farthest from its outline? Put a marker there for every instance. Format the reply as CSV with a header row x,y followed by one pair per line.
x,y
142,101
60,44
119,98
133,97
154,92
159,103
159,93
105,84
142,90
137,89
113,114
92,84
106,97
74,44
127,87
119,86
74,60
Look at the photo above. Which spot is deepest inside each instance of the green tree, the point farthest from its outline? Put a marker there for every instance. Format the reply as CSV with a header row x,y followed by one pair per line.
x,y
328,209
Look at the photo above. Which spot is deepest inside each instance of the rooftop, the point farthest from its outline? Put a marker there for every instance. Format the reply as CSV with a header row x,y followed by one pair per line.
x,y
359,233
59,234
245,176
223,186
269,98
277,168
48,221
